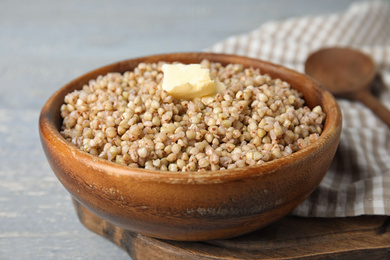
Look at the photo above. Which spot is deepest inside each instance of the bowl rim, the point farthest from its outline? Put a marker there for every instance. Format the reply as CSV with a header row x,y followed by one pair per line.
x,y
48,130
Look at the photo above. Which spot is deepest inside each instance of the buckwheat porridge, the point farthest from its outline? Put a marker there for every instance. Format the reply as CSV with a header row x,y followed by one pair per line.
x,y
129,119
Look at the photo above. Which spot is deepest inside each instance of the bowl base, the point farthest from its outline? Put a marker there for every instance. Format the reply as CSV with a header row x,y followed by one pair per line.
x,y
365,237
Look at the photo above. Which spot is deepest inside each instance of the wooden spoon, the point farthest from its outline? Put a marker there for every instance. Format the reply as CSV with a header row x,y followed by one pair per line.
x,y
347,73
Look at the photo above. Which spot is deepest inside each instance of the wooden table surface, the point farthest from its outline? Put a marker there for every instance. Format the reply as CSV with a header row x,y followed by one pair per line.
x,y
43,45
358,238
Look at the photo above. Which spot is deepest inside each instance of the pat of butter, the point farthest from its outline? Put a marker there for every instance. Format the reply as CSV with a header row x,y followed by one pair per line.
x,y
190,81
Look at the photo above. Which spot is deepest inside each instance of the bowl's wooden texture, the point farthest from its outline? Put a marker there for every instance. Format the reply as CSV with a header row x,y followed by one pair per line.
x,y
192,206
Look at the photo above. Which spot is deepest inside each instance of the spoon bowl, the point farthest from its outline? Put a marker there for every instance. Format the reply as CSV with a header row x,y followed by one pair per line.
x,y
347,73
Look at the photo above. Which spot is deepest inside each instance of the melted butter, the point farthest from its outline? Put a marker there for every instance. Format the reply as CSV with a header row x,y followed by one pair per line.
x,y
190,81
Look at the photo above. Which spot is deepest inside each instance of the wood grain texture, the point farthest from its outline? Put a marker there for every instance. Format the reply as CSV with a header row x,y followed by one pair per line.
x,y
193,206
347,73
365,237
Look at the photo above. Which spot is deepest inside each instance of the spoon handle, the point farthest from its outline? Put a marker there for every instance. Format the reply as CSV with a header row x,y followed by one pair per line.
x,y
375,105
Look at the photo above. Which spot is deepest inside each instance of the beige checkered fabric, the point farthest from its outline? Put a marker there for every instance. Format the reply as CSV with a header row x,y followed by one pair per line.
x,y
358,181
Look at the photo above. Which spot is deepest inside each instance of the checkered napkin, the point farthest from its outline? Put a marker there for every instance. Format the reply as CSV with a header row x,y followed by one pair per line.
x,y
358,181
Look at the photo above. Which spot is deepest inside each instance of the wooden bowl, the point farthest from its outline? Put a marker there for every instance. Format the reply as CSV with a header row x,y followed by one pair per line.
x,y
193,205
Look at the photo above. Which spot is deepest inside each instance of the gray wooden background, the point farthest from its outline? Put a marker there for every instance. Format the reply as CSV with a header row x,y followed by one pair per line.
x,y
45,44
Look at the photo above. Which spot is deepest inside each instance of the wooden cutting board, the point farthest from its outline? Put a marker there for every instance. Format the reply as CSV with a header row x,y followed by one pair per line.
x,y
365,237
